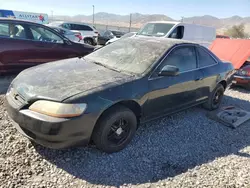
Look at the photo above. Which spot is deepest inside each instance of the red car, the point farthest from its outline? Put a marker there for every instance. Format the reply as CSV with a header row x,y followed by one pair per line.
x,y
236,51
24,44
222,37
242,76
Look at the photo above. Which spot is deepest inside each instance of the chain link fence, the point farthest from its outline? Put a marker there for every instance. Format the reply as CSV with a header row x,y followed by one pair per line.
x,y
104,26
111,27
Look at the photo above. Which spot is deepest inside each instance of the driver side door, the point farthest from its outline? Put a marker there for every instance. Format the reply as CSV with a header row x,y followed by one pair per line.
x,y
172,93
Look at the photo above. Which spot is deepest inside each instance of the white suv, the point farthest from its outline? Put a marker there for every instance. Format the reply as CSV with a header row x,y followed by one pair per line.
x,y
89,33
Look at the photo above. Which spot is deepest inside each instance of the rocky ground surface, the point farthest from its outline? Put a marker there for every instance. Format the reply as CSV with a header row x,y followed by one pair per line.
x,y
183,150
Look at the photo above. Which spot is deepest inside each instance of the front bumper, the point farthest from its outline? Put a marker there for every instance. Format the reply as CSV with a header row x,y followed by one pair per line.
x,y
55,133
241,80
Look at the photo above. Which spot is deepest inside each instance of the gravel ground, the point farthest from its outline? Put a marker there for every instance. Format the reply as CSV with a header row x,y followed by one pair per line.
x,y
183,150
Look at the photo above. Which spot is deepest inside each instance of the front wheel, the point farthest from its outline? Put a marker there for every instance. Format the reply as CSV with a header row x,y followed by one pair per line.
x,y
215,98
115,129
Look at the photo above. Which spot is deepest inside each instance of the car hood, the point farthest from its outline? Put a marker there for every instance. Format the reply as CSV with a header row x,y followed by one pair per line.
x,y
62,79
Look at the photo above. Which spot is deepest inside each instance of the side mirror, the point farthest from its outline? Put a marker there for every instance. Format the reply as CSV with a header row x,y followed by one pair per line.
x,y
169,70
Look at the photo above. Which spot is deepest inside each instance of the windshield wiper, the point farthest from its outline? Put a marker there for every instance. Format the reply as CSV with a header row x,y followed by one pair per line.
x,y
98,63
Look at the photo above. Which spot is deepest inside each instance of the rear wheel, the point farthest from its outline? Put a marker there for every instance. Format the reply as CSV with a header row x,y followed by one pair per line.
x,y
215,98
115,129
89,41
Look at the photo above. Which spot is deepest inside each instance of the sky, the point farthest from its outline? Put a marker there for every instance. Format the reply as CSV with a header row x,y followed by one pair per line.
x,y
172,8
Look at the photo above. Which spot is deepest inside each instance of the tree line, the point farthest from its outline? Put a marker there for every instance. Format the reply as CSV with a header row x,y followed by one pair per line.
x,y
237,31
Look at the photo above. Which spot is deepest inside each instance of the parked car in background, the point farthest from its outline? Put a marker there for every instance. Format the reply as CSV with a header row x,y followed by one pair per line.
x,y
200,34
122,37
105,95
222,37
104,36
89,33
236,51
74,36
24,44
242,75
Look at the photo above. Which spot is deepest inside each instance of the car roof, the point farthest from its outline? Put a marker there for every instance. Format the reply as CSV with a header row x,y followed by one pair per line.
x,y
118,31
161,40
165,22
175,23
71,22
18,20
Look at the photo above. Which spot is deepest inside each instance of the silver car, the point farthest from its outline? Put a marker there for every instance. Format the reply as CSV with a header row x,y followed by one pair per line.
x,y
74,36
89,32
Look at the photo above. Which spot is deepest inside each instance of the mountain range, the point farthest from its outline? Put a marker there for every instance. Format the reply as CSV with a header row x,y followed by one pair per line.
x,y
221,24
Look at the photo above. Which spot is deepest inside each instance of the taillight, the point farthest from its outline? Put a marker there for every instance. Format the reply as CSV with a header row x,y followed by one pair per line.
x,y
79,36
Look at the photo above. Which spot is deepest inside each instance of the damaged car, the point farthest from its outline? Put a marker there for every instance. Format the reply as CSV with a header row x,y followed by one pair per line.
x,y
104,96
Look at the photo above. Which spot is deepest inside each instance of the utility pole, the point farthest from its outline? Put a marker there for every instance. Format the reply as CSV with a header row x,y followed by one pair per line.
x,y
52,15
93,15
130,22
182,19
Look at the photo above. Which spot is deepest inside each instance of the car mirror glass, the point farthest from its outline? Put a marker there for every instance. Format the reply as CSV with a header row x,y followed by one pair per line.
x,y
169,70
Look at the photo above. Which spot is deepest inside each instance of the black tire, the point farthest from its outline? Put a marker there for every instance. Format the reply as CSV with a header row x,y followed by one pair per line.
x,y
89,41
248,86
107,132
215,98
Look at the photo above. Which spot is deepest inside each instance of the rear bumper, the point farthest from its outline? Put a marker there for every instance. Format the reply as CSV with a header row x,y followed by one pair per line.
x,y
55,133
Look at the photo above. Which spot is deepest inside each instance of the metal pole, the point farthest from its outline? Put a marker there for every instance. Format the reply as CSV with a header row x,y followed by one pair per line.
x,y
93,15
130,22
52,15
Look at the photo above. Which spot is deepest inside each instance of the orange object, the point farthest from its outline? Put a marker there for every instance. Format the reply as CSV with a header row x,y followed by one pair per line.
x,y
237,51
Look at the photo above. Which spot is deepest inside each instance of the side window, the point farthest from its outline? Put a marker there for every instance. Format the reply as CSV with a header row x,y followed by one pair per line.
x,y
85,28
17,31
107,33
44,35
183,58
74,27
12,31
66,26
204,58
62,32
4,30
177,33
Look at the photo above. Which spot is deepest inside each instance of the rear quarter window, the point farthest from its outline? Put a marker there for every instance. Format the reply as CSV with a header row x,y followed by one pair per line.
x,y
4,29
82,28
205,59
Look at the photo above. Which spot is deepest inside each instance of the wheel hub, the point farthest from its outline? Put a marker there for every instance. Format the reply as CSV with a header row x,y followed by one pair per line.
x,y
119,131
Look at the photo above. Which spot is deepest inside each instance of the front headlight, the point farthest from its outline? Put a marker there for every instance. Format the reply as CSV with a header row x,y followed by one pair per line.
x,y
242,72
59,110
